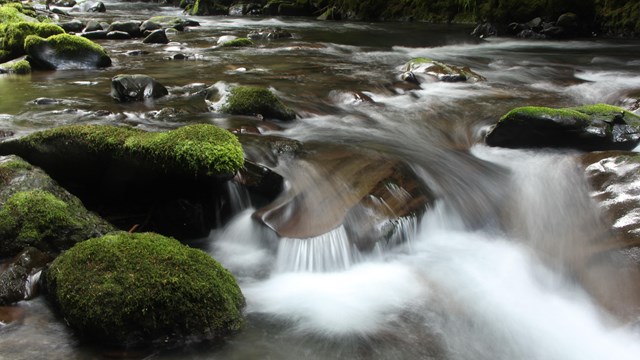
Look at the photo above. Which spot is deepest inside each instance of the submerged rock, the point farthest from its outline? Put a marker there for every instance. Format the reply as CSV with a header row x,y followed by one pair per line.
x,y
590,128
135,289
65,51
254,100
421,70
136,88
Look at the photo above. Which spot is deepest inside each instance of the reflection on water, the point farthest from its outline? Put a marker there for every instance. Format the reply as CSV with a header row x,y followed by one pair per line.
x,y
483,275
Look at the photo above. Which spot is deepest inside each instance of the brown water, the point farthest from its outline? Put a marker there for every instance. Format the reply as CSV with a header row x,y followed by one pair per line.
x,y
479,277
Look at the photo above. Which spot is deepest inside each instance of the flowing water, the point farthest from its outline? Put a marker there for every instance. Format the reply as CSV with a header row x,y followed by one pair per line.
x,y
485,273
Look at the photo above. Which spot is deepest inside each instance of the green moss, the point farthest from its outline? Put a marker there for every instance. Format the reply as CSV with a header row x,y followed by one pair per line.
x,y
239,42
128,288
35,218
14,34
9,168
538,112
252,100
21,67
200,149
66,45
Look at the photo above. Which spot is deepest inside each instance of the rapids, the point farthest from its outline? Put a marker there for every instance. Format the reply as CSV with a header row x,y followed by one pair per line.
x,y
483,274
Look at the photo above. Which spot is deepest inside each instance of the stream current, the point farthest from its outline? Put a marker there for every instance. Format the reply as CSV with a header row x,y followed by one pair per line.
x,y
472,278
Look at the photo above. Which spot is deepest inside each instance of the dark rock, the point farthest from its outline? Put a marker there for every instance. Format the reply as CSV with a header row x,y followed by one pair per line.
x,y
179,57
118,35
136,52
156,37
420,70
19,279
46,101
590,128
530,34
568,21
92,25
65,3
149,26
269,34
484,31
136,88
65,51
97,7
95,35
130,27
73,26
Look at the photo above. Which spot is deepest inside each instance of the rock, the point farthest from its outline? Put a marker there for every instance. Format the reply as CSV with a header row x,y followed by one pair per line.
x,y
234,42
136,88
130,27
331,13
137,289
175,22
96,7
156,37
65,3
73,26
149,25
425,70
37,212
66,52
92,25
254,100
18,66
589,128
95,35
118,35
484,30
18,280
15,33
46,101
568,21
269,34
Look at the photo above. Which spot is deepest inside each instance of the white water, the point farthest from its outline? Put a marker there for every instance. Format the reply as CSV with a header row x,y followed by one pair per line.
x,y
474,294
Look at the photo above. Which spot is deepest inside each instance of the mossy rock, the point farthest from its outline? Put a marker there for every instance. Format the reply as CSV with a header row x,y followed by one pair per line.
x,y
589,127
255,100
132,289
14,34
200,149
425,70
65,51
238,42
208,7
21,67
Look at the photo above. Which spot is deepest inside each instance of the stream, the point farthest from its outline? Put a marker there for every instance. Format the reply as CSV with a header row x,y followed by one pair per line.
x,y
483,274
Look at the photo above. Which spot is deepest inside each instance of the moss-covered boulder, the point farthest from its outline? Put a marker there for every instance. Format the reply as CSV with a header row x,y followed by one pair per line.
x,y
14,31
18,66
237,42
35,211
65,51
589,127
420,70
255,100
131,289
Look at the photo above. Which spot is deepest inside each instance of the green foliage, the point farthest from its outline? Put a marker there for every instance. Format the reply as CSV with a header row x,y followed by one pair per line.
x,y
619,16
252,100
239,42
200,149
128,288
35,218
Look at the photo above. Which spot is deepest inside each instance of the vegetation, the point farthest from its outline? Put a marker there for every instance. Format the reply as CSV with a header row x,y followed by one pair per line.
x,y
125,289
239,42
20,67
254,100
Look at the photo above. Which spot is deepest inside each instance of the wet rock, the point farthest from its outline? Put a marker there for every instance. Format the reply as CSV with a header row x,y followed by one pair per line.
x,y
421,70
73,26
118,35
130,27
92,25
156,37
136,52
95,35
46,101
19,279
65,3
590,128
269,34
149,25
65,51
96,7
259,179
484,30
136,88
245,9
175,22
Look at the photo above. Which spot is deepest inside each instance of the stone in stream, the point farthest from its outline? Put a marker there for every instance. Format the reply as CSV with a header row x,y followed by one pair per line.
x,y
19,278
420,70
136,87
132,290
589,128
156,37
73,26
65,51
130,27
269,34
254,100
118,35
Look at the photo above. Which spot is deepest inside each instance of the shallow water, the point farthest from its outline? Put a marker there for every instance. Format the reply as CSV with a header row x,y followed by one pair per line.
x,y
483,275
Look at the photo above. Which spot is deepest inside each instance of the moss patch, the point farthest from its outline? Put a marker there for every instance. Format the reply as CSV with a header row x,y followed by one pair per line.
x,y
526,113
66,47
13,35
20,67
129,288
239,42
200,149
253,100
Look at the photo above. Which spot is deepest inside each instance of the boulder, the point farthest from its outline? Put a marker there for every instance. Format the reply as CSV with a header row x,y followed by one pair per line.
x,y
118,35
37,212
427,70
149,25
18,280
269,34
92,25
254,100
156,37
15,33
130,290
130,27
484,30
589,128
136,88
65,51
73,26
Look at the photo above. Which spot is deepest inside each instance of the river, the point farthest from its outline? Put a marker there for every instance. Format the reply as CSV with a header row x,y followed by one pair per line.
x,y
481,275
